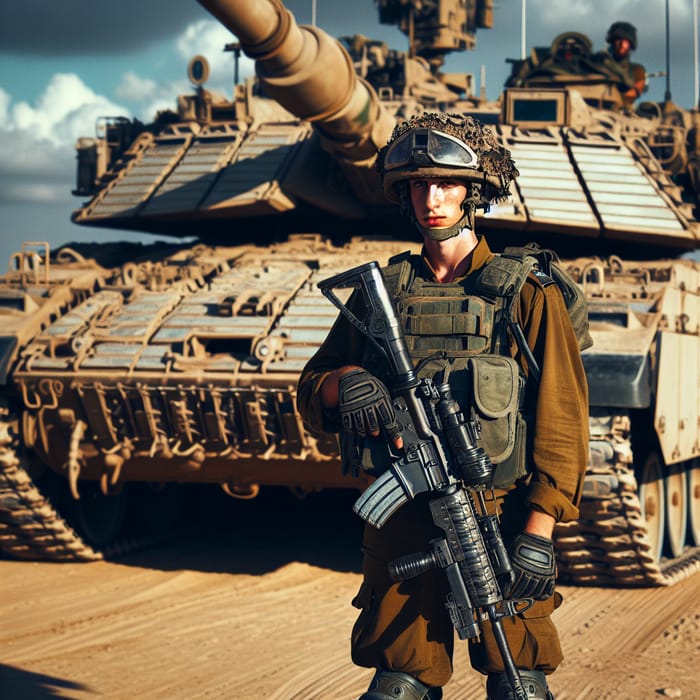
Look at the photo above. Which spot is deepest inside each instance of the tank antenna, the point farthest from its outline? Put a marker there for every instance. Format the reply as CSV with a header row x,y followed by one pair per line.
x,y
696,69
667,96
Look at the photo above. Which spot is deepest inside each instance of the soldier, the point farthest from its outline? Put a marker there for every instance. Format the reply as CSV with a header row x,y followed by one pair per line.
x,y
440,168
622,40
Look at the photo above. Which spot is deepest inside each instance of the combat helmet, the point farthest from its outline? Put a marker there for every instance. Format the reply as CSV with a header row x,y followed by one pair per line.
x,y
622,30
445,145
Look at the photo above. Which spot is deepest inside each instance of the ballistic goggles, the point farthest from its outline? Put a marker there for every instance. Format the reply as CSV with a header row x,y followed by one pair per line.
x,y
427,147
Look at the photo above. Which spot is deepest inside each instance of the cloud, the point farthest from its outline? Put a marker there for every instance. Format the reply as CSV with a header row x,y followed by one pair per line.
x,y
66,109
206,38
552,14
147,97
135,88
37,156
5,100
37,139
33,170
585,15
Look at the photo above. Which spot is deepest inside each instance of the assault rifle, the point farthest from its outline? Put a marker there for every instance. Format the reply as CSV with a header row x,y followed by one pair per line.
x,y
439,457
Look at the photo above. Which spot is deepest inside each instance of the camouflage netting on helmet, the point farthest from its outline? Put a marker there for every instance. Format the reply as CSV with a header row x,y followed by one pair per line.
x,y
488,182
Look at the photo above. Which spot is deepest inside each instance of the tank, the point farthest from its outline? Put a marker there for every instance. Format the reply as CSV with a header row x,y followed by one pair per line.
x,y
128,366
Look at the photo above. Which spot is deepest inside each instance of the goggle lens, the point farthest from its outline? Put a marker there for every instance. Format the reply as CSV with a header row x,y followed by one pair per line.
x,y
425,147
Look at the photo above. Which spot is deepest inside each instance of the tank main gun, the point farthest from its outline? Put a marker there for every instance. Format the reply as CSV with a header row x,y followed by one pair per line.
x,y
310,75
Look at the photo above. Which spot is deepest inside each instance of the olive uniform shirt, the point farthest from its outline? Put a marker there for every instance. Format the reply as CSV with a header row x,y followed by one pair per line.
x,y
559,454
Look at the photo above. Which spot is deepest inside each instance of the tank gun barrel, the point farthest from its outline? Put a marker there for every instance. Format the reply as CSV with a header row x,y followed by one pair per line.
x,y
309,74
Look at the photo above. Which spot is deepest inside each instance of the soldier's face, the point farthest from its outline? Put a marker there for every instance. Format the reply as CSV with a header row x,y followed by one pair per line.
x,y
437,203
621,47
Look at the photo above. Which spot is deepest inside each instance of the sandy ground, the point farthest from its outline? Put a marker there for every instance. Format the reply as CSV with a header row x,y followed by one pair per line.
x,y
255,603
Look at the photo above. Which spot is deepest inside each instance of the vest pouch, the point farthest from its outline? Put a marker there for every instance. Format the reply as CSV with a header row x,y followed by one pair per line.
x,y
513,467
496,387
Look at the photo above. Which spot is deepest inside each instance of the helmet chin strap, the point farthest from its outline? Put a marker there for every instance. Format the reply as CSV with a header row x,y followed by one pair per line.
x,y
442,234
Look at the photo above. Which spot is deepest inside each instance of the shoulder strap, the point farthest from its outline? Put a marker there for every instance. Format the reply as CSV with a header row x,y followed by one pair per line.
x,y
550,271
503,277
400,272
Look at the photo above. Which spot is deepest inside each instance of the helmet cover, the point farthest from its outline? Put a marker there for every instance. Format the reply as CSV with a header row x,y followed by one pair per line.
x,y
450,146
622,30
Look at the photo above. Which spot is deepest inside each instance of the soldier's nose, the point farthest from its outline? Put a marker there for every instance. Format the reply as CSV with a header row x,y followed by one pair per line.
x,y
434,195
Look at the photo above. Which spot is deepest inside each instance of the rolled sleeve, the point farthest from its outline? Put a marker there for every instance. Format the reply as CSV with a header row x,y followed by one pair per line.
x,y
560,408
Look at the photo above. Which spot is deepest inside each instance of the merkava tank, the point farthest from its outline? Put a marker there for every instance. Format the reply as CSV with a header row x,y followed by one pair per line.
x,y
131,365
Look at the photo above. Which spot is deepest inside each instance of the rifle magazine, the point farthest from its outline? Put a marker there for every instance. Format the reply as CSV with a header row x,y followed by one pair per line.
x,y
381,500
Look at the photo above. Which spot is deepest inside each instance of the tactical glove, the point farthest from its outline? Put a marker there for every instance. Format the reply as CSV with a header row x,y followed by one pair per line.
x,y
365,405
534,567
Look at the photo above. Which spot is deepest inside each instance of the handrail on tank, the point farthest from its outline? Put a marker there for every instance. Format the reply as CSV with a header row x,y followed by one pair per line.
x,y
27,260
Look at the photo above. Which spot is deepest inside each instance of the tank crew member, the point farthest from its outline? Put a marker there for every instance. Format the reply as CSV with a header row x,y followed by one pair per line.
x,y
441,168
622,40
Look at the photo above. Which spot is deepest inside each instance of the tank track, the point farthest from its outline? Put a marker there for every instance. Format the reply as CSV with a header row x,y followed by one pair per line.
x,y
609,544
30,527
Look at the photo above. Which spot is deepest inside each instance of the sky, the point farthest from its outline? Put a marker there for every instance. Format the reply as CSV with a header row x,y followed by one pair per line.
x,y
63,64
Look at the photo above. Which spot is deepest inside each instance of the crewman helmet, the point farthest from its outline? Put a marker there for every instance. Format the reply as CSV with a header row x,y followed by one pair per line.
x,y
622,30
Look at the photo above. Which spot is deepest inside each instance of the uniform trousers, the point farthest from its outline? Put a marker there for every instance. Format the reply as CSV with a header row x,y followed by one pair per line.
x,y
404,626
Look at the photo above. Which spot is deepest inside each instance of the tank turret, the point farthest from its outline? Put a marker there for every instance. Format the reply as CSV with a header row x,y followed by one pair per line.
x,y
311,94
609,88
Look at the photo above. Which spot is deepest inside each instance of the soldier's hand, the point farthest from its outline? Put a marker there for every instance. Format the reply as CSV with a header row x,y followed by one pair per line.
x,y
365,406
534,567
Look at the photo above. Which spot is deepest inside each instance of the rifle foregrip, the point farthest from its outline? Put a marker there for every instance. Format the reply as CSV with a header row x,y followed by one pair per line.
x,y
411,565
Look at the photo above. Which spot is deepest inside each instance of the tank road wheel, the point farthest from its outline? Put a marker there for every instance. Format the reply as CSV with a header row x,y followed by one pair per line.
x,y
101,517
693,476
651,497
676,509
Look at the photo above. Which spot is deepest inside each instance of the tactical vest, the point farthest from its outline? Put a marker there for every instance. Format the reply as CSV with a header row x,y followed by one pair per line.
x,y
457,332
